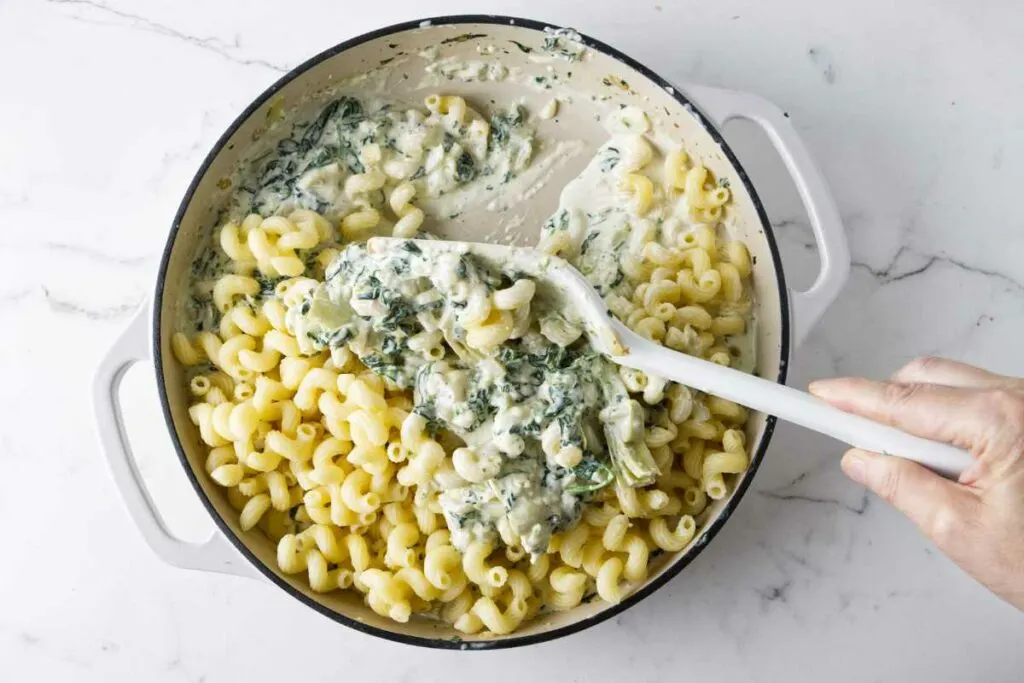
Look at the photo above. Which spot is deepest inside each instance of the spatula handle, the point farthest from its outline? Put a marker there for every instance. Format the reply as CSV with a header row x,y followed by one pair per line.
x,y
791,405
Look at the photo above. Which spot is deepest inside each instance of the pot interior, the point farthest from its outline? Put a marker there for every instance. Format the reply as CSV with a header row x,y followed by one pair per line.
x,y
406,63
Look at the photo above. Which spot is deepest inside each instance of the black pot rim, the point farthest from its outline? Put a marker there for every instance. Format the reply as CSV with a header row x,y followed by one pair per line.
x,y
708,533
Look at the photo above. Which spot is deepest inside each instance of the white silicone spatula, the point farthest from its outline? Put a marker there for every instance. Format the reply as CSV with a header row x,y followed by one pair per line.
x,y
573,295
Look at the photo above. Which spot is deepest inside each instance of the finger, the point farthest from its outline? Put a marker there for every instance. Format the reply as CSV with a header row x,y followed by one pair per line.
x,y
937,506
933,411
932,370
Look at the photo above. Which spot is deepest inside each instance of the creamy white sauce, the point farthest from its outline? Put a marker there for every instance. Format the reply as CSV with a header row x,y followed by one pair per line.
x,y
465,391
407,315
533,179
439,153
596,213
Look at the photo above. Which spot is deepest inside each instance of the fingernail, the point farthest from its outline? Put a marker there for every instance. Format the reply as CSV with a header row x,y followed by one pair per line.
x,y
855,466
972,474
820,387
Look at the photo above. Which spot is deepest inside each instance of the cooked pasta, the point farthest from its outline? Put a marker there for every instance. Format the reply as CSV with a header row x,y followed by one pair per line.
x,y
343,413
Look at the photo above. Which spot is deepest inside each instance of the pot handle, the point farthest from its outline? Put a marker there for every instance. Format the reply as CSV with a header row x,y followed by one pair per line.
x,y
215,554
807,307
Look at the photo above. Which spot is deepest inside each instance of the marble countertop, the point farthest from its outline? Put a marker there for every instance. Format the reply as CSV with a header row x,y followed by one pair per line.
x,y
913,110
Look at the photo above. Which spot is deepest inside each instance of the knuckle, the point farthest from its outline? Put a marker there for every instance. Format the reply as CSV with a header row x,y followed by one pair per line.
x,y
945,525
897,396
1007,405
887,484
920,367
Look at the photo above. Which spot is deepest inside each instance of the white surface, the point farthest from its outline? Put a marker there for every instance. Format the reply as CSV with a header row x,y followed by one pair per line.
x,y
913,111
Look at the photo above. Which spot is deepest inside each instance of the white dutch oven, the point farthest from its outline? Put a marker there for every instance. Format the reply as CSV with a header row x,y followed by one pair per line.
x,y
784,317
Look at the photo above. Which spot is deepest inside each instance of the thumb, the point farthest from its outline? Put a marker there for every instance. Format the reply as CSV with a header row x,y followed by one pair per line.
x,y
937,506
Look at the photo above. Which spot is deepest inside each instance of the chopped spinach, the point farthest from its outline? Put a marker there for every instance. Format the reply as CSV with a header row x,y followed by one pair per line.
x,y
465,168
385,367
559,222
619,277
502,124
315,130
609,158
587,241
463,38
427,409
206,264
479,402
350,112
565,44
590,475
267,284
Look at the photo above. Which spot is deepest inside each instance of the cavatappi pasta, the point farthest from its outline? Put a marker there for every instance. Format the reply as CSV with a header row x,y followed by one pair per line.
x,y
431,445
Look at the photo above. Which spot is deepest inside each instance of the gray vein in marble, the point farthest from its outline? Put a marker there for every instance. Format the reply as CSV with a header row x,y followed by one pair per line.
x,y
955,348
797,230
774,593
12,201
833,356
984,318
997,159
785,493
32,640
794,481
800,560
789,563
65,306
170,158
12,297
858,509
175,662
28,638
140,23
821,58
891,272
95,255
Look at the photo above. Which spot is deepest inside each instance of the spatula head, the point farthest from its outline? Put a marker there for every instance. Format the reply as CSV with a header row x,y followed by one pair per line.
x,y
562,286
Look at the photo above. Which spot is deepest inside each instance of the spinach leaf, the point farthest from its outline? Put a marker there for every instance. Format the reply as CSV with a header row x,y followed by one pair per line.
x,y
350,112
610,157
315,130
267,284
465,168
463,38
502,124
558,222
589,476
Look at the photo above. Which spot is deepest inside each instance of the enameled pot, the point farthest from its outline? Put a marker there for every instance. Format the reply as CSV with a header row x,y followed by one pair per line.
x,y
784,317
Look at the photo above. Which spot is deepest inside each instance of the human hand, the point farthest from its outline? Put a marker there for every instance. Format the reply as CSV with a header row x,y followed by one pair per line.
x,y
978,522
